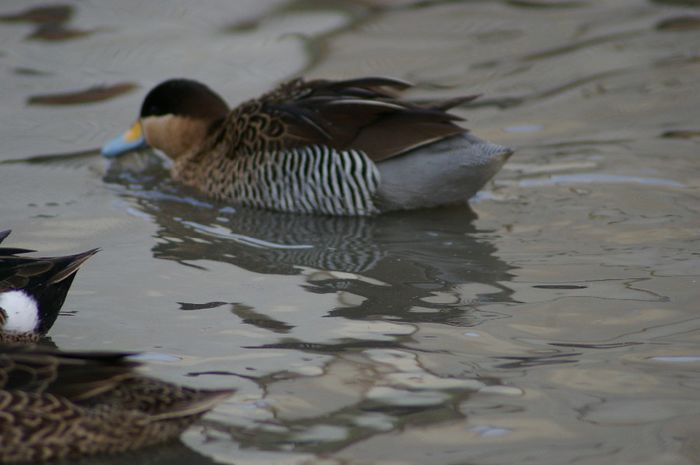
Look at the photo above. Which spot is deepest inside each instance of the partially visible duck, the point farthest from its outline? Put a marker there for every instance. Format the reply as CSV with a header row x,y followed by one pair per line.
x,y
346,147
70,404
32,291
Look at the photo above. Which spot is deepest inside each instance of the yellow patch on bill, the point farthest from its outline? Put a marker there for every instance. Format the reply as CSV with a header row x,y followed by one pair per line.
x,y
134,132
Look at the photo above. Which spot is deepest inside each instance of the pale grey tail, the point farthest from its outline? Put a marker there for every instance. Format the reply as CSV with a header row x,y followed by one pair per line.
x,y
446,172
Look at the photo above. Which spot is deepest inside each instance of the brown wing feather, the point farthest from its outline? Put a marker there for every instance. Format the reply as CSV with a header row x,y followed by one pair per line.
x,y
66,404
72,375
362,114
10,250
18,272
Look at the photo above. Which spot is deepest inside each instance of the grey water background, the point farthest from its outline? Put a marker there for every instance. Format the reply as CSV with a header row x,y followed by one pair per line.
x,y
555,323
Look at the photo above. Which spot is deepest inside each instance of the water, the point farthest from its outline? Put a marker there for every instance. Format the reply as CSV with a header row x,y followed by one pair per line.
x,y
555,323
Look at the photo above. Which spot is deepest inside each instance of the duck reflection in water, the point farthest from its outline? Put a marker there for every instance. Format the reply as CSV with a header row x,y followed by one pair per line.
x,y
417,254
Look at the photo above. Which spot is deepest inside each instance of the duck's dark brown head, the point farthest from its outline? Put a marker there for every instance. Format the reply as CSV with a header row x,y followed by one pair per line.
x,y
176,116
185,98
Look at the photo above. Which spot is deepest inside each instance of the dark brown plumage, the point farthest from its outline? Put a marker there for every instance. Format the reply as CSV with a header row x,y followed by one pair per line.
x,y
45,281
361,114
69,404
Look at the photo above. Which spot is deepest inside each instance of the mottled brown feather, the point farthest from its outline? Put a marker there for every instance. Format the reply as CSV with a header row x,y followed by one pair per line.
x,y
361,114
65,405
16,272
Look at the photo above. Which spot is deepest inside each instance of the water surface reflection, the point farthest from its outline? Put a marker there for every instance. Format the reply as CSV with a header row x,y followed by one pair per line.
x,y
420,266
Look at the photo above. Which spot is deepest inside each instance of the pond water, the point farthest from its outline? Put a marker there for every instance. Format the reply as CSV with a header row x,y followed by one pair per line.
x,y
556,321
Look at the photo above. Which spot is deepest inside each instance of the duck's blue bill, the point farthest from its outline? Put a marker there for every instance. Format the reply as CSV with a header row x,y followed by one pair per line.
x,y
131,140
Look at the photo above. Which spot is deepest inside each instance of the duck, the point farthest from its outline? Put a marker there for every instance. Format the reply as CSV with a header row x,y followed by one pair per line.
x,y
348,147
66,404
33,290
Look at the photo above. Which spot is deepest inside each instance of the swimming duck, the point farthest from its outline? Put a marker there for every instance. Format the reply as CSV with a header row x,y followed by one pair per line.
x,y
70,404
335,147
32,291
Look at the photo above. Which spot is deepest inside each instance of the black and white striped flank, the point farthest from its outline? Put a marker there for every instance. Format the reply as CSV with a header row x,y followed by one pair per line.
x,y
311,179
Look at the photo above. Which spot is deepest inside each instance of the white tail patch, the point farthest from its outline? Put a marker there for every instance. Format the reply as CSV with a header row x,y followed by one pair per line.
x,y
22,311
